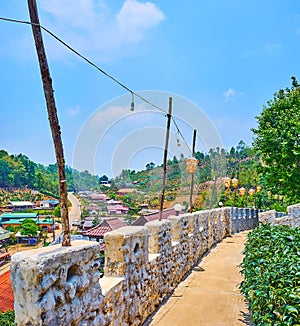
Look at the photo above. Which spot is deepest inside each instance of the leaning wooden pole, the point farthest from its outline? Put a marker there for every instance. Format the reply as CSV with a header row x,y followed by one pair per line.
x,y
192,177
162,197
53,120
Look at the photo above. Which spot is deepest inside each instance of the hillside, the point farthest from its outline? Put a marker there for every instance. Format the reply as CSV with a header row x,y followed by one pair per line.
x,y
17,171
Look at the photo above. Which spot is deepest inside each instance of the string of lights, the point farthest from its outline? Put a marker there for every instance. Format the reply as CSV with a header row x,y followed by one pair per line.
x,y
132,107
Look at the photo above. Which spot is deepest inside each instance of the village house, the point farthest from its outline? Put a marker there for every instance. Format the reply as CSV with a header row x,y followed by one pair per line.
x,y
16,219
48,204
125,191
95,197
97,233
117,209
143,219
19,205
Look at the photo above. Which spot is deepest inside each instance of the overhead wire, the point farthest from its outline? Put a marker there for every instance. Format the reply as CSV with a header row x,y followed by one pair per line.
x,y
101,70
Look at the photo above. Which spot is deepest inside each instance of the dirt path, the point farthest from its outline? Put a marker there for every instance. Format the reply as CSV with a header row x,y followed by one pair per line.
x,y
209,296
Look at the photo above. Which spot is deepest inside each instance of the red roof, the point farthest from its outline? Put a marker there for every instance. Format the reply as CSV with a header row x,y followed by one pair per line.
x,y
97,231
113,223
6,293
102,246
142,220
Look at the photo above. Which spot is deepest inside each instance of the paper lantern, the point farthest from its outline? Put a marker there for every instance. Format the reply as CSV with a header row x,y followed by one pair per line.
x,y
191,165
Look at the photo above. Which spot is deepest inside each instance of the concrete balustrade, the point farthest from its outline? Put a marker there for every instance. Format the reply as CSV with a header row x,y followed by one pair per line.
x,y
60,285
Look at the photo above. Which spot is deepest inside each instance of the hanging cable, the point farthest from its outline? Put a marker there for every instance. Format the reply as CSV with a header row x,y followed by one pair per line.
x,y
85,59
103,72
181,135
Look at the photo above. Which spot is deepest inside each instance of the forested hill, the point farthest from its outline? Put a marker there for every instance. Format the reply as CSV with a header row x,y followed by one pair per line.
x,y
18,171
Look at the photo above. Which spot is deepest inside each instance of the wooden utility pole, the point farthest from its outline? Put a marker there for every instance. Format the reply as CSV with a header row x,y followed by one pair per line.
x,y
192,177
162,198
53,120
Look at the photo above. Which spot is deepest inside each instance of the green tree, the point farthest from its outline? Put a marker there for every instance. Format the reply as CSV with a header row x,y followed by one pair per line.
x,y
150,166
29,227
277,141
56,211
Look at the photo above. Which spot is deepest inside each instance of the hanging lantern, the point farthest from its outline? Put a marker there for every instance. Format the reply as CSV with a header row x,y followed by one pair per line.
x,y
258,188
227,182
269,193
191,165
242,191
251,192
276,197
281,197
235,182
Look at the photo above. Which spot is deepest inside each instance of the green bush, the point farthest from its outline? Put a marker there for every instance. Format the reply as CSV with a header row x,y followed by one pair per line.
x,y
7,318
271,269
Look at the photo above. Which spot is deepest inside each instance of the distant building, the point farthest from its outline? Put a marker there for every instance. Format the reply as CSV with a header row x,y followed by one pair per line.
x,y
19,205
16,219
117,209
125,191
97,233
4,236
11,216
142,220
98,197
48,204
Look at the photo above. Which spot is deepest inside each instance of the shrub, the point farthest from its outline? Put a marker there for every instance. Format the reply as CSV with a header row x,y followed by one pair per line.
x,y
271,269
7,318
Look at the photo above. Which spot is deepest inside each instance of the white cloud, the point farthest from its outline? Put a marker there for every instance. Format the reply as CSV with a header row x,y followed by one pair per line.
x,y
229,93
92,27
135,18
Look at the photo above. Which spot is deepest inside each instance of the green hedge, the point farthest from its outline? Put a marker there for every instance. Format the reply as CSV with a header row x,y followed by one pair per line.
x,y
7,318
271,269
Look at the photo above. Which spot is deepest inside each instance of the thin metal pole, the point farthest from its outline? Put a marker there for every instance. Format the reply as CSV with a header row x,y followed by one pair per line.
x,y
169,116
192,178
53,120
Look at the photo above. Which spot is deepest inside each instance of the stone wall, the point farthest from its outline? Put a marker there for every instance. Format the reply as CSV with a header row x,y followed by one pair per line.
x,y
292,219
61,286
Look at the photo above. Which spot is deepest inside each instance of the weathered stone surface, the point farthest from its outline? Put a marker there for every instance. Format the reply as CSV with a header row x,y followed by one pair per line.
x,y
56,285
60,285
292,219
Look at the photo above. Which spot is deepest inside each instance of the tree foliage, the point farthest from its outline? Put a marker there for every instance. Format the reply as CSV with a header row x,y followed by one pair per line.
x,y
17,171
29,227
277,141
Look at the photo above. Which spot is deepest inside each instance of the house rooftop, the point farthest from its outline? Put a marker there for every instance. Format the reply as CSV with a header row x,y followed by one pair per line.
x,y
97,231
20,203
6,293
142,220
19,215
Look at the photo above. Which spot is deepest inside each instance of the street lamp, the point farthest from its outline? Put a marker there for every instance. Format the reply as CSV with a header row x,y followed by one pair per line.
x,y
191,167
227,181
235,183
242,191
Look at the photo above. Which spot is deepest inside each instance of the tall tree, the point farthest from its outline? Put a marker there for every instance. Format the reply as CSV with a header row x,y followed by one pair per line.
x,y
277,140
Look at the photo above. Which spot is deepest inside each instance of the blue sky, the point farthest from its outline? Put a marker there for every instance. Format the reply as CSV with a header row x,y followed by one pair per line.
x,y
227,58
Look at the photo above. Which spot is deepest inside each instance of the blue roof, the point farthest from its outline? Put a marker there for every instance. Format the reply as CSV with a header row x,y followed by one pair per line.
x,y
19,215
